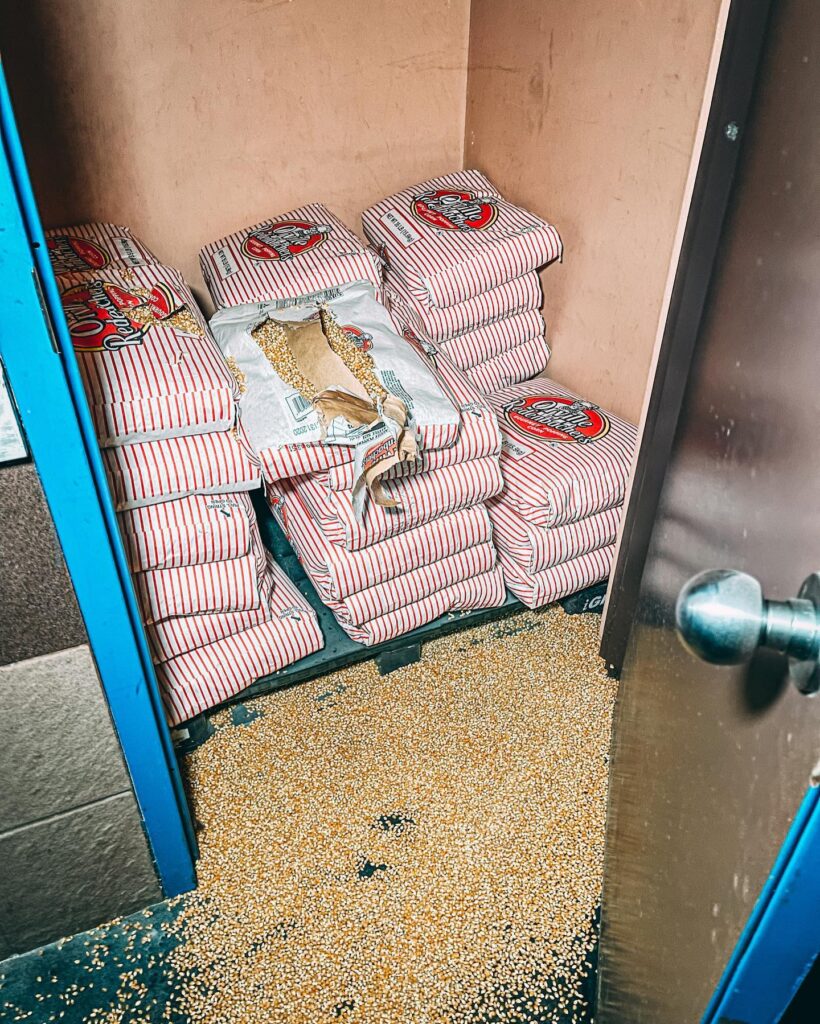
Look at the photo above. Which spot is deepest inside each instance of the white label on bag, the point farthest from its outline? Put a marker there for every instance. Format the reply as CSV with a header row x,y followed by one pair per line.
x,y
223,505
292,613
223,262
298,405
514,449
399,227
124,248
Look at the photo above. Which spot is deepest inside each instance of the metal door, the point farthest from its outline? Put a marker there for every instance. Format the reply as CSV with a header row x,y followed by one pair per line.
x,y
711,764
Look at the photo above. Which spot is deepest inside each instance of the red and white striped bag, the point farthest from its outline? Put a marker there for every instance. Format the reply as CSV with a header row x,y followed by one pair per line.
x,y
540,588
149,365
337,573
149,419
420,498
179,634
483,591
479,439
478,433
154,471
453,237
476,347
413,586
562,458
205,677
188,531
535,548
232,585
334,461
294,460
435,325
306,250
91,247
521,363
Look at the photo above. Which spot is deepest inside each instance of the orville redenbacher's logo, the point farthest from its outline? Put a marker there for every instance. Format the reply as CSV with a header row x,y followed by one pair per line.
x,y
70,253
454,209
284,240
163,301
555,418
427,347
361,339
98,319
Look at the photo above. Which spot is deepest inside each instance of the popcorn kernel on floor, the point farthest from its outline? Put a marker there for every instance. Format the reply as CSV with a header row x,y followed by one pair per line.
x,y
490,758
423,847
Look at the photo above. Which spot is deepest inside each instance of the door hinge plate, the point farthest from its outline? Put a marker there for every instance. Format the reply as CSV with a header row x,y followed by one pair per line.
x,y
38,287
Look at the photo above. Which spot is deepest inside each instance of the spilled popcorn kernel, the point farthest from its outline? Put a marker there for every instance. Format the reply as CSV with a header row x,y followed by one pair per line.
x,y
426,847
420,848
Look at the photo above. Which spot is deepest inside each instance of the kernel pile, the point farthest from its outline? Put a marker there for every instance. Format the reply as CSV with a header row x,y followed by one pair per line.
x,y
271,337
359,363
183,320
420,848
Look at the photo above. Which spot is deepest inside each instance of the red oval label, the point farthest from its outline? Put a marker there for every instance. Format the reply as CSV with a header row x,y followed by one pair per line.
x,y
163,301
454,209
555,418
284,240
72,253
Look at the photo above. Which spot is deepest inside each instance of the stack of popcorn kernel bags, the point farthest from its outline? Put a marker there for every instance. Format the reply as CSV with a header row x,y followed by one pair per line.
x,y
218,612
376,463
460,274
566,463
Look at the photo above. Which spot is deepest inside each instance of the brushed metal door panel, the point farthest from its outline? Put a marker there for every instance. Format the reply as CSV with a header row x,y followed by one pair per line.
x,y
710,764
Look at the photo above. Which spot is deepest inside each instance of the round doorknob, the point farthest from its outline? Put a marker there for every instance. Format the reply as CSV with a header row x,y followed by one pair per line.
x,y
722,617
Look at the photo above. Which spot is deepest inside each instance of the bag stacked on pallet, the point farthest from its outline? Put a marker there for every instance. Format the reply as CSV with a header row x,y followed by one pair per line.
x,y
164,405
375,466
565,463
306,250
460,273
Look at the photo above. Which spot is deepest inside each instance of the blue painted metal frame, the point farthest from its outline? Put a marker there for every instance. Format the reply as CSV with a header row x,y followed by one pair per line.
x,y
51,401
781,939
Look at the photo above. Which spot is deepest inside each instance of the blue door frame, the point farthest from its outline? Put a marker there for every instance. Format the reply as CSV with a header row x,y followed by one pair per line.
x,y
42,372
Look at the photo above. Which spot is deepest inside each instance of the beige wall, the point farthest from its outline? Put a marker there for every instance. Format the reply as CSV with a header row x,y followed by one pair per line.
x,y
586,110
187,119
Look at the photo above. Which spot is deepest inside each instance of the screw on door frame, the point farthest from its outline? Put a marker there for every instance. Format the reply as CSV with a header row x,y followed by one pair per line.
x,y
731,131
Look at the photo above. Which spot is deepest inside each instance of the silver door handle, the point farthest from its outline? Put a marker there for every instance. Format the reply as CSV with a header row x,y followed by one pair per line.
x,y
723,618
